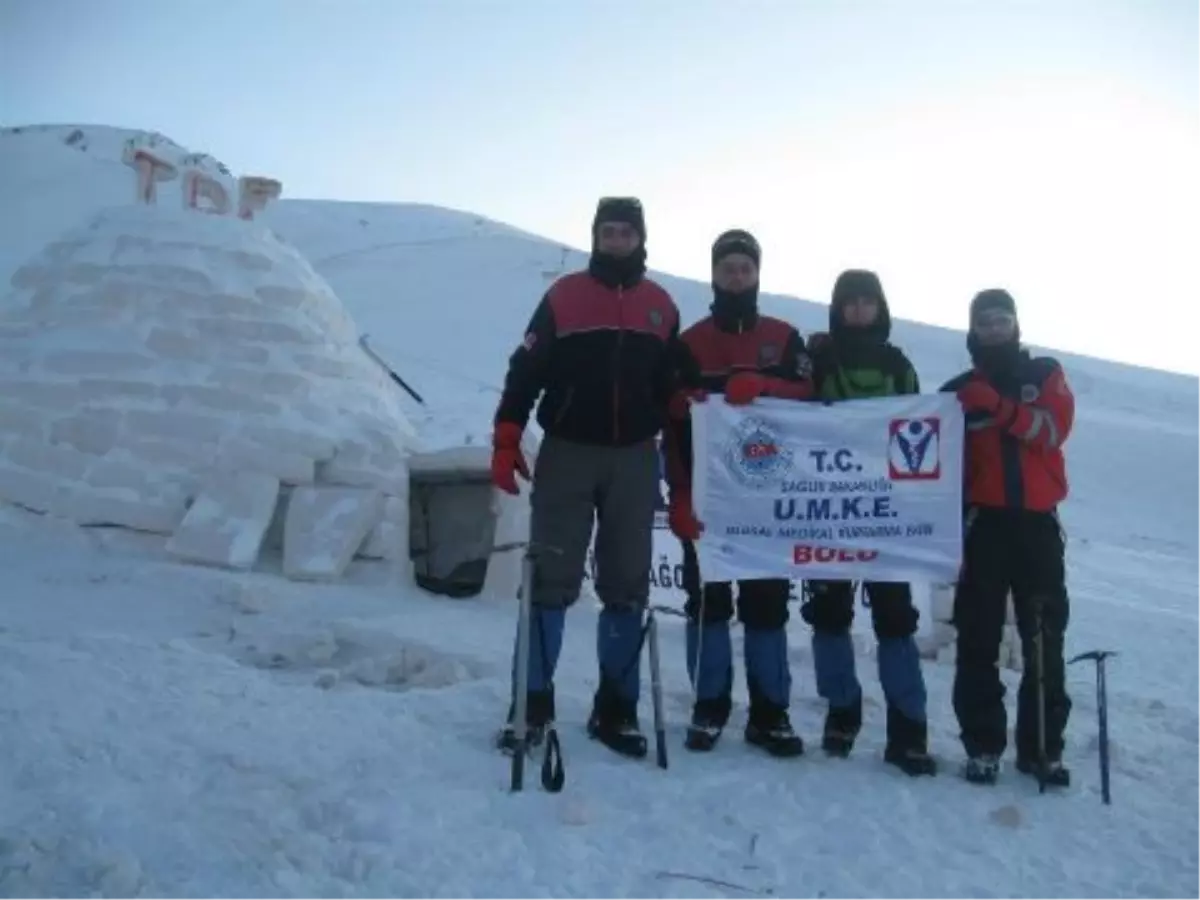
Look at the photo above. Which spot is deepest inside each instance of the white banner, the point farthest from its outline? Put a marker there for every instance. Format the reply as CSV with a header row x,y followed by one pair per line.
x,y
666,576
862,489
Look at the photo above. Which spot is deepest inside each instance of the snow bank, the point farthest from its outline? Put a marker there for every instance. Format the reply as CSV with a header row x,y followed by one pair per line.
x,y
158,349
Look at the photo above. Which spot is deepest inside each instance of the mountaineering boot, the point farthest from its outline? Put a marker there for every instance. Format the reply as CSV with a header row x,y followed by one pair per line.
x,y
769,680
708,721
710,646
539,714
837,679
1057,775
614,719
907,744
904,687
982,768
614,723
770,728
842,724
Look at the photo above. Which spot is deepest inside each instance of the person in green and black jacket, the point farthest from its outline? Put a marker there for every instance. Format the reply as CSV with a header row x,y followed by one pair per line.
x,y
854,361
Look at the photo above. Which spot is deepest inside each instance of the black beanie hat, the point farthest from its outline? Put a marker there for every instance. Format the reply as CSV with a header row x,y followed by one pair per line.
x,y
620,209
992,298
736,240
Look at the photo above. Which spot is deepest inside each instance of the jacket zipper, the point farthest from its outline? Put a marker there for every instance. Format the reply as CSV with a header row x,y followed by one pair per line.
x,y
617,365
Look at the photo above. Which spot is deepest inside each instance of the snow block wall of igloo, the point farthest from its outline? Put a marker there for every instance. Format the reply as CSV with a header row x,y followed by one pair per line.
x,y
191,375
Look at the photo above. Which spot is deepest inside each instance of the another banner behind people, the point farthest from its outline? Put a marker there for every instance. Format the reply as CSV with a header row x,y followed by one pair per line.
x,y
865,489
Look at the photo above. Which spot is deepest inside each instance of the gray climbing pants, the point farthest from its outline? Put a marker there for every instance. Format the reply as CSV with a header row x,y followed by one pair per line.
x,y
576,486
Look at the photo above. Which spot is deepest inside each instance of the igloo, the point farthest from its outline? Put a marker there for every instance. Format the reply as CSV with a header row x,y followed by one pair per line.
x,y
192,376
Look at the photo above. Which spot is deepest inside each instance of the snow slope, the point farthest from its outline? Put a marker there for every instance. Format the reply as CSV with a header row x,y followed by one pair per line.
x,y
169,731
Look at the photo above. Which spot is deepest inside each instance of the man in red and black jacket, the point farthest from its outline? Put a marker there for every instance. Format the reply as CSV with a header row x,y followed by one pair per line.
x,y
602,351
742,354
1019,412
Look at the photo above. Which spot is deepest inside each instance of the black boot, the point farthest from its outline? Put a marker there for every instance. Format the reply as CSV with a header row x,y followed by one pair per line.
x,y
708,721
982,768
907,744
842,724
770,728
1057,775
614,722
539,713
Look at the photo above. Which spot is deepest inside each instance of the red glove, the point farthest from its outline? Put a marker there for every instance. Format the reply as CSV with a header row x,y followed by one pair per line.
x,y
744,387
979,396
682,400
507,458
681,516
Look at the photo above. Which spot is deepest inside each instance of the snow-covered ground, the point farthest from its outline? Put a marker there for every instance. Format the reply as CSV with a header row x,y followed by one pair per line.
x,y
169,730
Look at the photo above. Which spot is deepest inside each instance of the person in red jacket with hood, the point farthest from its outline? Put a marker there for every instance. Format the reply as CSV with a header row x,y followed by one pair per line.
x,y
744,355
1019,412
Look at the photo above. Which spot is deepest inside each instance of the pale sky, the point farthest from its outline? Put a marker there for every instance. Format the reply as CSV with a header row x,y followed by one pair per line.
x,y
1047,146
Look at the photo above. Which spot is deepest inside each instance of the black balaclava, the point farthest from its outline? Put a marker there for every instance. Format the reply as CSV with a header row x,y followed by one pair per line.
x,y
735,311
618,271
994,359
858,345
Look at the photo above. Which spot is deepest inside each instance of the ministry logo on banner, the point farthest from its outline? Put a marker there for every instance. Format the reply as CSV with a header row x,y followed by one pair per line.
x,y
862,489
914,448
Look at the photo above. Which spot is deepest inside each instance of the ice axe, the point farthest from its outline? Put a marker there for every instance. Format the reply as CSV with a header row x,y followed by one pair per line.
x,y
1098,656
660,734
388,370
552,767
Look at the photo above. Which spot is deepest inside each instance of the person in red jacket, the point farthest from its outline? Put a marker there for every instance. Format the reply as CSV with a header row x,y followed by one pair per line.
x,y
744,355
600,351
1019,412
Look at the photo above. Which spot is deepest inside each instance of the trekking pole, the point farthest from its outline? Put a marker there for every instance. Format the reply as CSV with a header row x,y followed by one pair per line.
x,y
660,732
1040,659
1102,711
699,635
